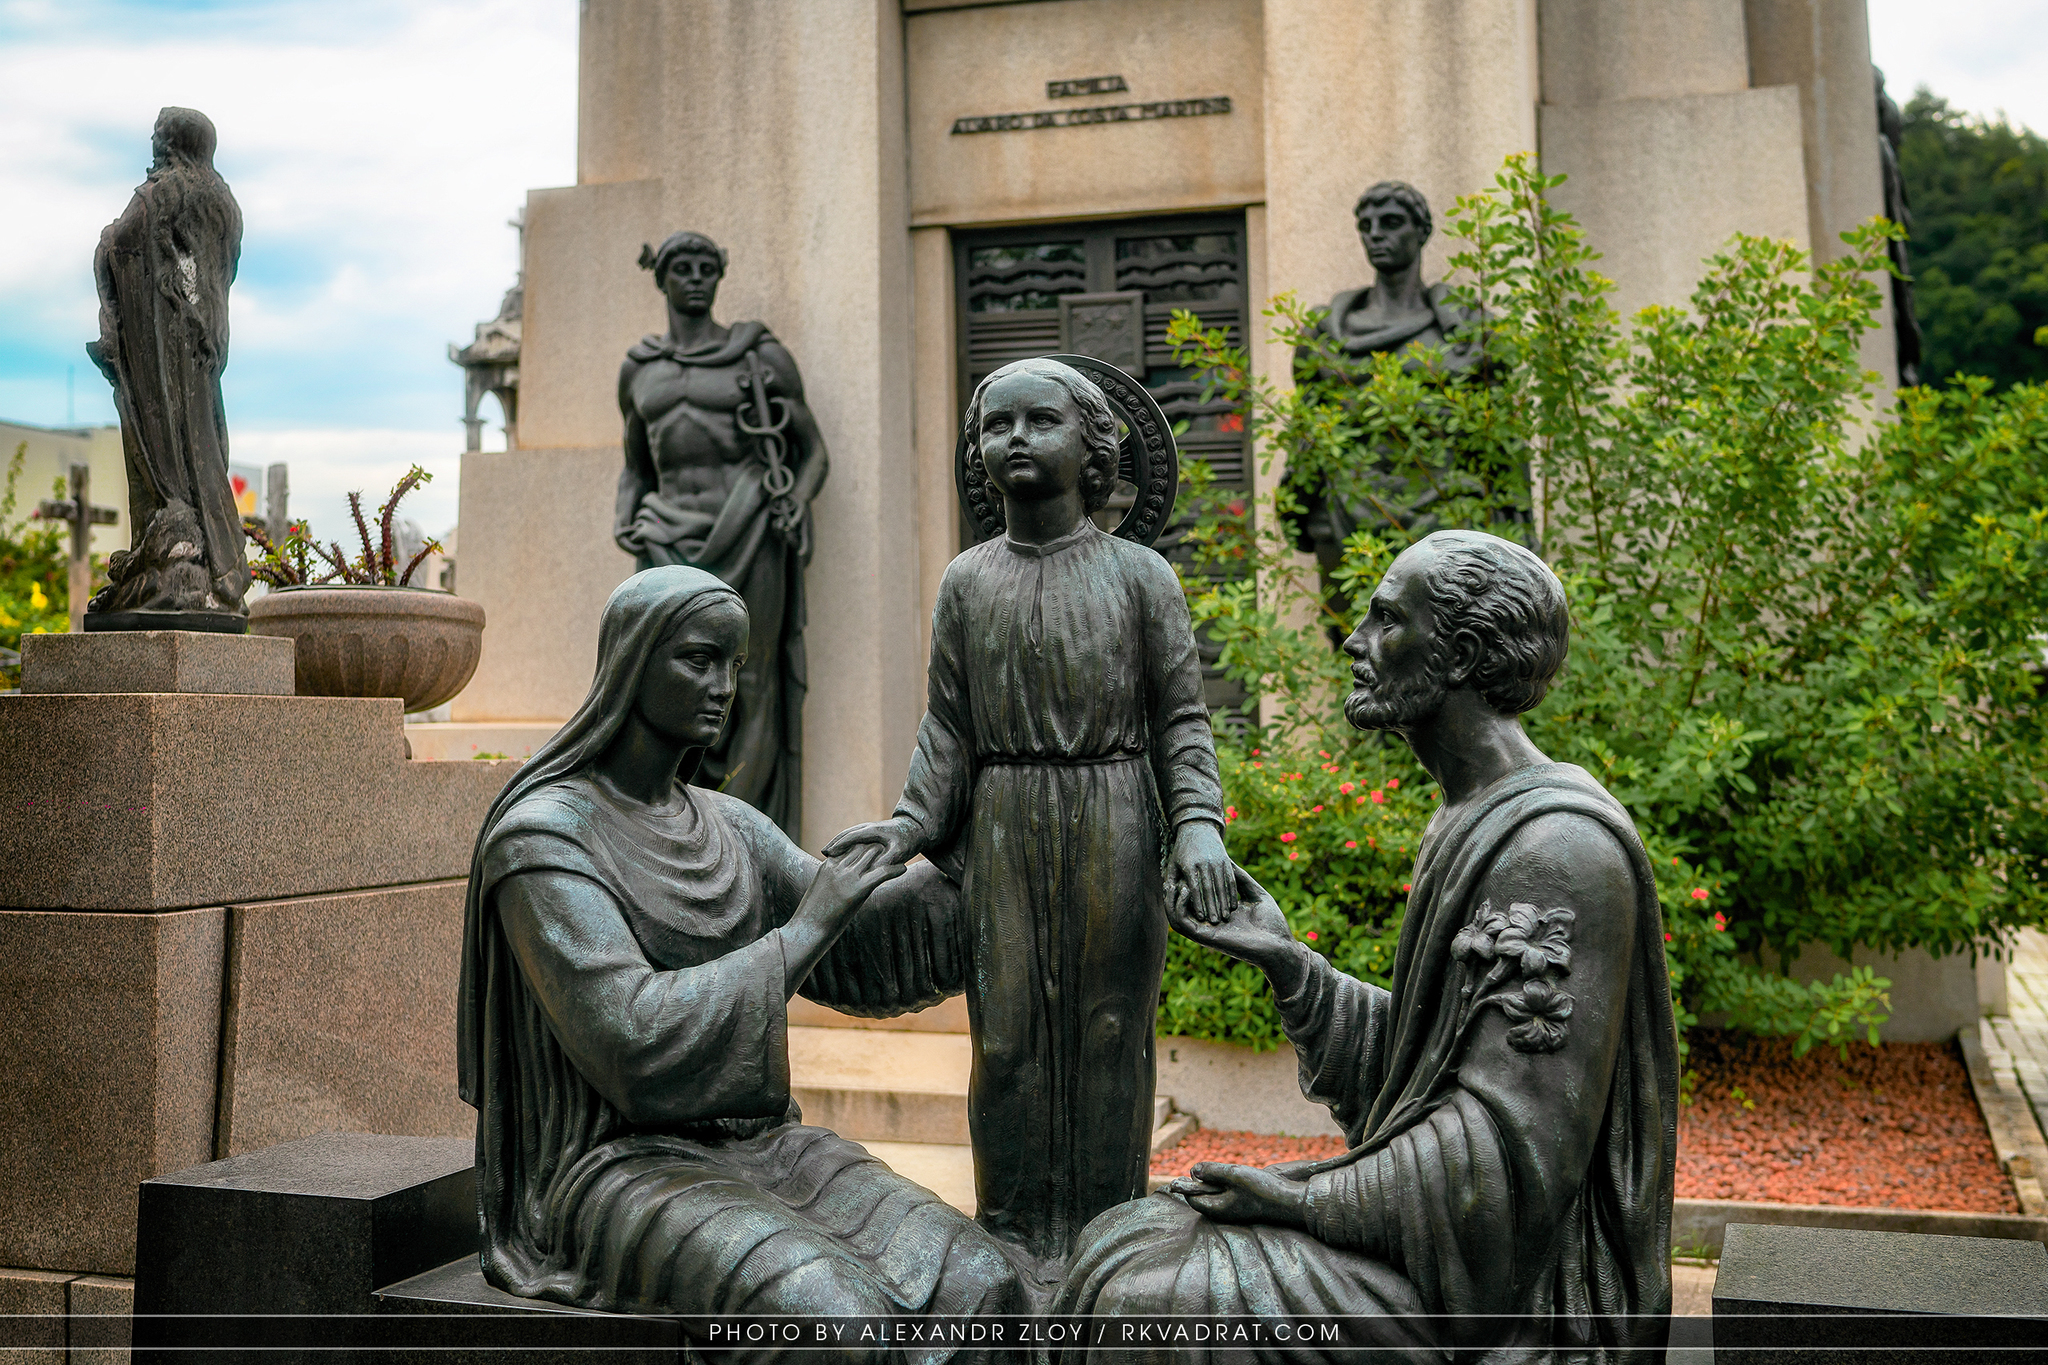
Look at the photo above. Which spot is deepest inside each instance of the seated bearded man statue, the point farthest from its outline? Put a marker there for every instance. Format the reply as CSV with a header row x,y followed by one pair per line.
x,y
1511,1103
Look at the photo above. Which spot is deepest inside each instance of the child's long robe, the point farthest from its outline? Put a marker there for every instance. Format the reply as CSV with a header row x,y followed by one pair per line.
x,y
1065,740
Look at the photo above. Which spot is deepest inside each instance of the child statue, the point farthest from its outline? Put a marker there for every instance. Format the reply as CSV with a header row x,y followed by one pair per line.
x,y
1065,771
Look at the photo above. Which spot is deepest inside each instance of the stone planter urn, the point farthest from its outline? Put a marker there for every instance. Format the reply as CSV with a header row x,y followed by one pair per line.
x,y
365,640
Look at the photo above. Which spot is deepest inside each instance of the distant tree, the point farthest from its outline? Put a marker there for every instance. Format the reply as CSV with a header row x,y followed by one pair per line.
x,y
1979,195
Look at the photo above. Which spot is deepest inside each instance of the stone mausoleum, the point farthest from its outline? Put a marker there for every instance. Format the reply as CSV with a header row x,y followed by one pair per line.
x,y
907,188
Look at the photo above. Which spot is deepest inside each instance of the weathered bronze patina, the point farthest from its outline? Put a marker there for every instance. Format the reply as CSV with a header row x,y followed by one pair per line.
x,y
722,461
1512,1101
629,944
1065,772
163,269
1397,313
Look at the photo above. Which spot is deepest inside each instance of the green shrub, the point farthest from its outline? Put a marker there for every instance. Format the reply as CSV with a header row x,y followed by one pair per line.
x,y
35,585
1806,635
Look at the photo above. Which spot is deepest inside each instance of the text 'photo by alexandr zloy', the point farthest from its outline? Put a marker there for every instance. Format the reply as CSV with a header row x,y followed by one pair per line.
x,y
1806,614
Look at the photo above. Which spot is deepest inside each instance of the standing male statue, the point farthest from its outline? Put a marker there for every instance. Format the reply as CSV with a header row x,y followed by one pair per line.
x,y
163,269
722,461
1396,313
1512,1103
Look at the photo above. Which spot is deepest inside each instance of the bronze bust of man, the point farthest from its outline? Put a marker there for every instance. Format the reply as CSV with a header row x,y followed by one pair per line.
x,y
1396,313
722,461
1512,1102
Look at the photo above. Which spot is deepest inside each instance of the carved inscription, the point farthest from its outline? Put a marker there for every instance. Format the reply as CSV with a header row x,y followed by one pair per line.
x,y
1087,85
1100,113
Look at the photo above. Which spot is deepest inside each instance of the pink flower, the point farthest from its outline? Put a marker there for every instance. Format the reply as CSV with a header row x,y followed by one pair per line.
x,y
1699,893
1291,855
1311,936
1255,753
1257,765
1347,787
1318,810
1379,798
1288,837
1407,886
1351,843
1720,921
1393,784
1667,938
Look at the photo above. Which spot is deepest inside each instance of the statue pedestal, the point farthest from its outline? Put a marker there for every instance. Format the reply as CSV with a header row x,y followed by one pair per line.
x,y
233,918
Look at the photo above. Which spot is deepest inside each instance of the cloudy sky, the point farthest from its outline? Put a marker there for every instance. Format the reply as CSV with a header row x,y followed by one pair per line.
x,y
378,147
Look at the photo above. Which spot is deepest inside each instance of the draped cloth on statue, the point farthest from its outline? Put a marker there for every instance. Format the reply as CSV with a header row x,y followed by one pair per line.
x,y
712,1197
759,756
1065,737
163,269
638,1149
1469,1188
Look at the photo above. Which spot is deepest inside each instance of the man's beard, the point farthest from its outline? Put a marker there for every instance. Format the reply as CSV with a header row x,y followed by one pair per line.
x,y
1397,706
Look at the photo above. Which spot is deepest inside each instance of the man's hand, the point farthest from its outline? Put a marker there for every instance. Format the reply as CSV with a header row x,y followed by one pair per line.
x,y
1201,872
1256,933
898,840
1244,1194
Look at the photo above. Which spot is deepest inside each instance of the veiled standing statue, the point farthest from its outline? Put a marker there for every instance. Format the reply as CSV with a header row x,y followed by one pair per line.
x,y
1512,1102
1396,313
630,942
722,461
163,269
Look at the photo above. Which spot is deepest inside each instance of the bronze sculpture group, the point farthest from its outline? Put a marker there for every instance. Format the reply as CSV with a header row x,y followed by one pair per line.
x,y
638,915
632,936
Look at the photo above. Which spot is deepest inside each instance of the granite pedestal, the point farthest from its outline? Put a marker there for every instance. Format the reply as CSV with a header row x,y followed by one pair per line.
x,y
1829,1296
281,1250
229,917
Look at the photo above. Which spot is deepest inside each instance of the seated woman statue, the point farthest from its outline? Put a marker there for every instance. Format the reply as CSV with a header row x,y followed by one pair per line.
x,y
629,946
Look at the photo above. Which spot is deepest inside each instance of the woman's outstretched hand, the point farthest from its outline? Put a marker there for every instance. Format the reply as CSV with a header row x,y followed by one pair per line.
x,y
897,840
840,887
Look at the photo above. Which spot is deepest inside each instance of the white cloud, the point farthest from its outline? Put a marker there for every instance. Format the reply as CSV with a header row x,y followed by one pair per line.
x,y
327,464
1985,57
376,149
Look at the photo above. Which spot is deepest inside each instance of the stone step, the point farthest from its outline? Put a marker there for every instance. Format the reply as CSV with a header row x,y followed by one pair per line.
x,y
895,1086
882,1086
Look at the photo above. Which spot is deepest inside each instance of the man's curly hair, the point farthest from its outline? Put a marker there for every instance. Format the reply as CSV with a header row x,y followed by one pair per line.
x,y
1098,423
1402,193
1512,602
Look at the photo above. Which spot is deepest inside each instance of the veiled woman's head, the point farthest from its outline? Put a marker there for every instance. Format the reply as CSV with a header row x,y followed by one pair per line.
x,y
669,650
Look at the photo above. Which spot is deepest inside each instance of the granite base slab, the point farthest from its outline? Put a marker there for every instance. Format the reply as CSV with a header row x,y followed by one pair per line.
x,y
109,1052
162,801
157,661
451,1314
280,1251
1831,1296
340,1016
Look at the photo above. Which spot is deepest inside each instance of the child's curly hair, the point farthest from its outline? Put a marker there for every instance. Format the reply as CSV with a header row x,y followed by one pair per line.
x,y
1098,424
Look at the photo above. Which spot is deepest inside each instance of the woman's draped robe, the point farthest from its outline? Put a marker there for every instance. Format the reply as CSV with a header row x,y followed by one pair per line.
x,y
1476,1184
1065,739
759,755
637,1146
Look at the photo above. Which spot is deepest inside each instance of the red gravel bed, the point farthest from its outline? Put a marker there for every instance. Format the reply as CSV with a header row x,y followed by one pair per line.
x,y
1890,1127
1245,1149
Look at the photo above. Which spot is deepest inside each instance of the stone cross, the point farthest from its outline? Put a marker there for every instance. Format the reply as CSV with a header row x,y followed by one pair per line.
x,y
83,516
